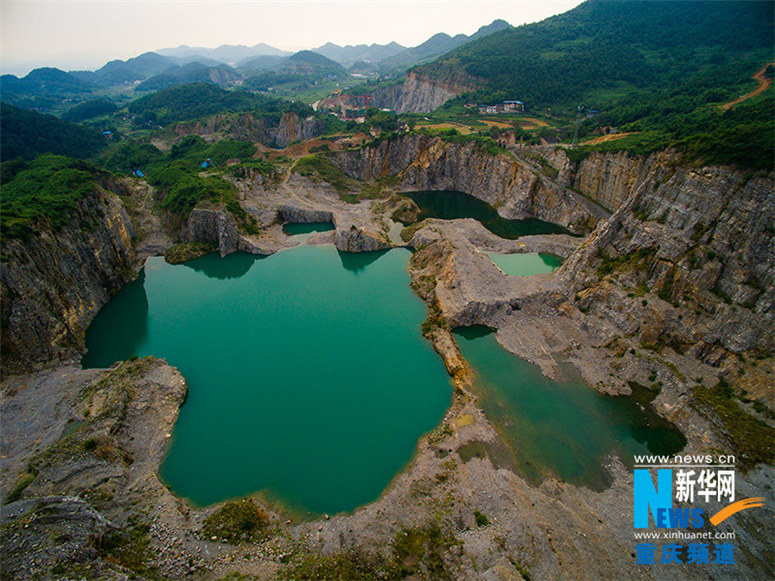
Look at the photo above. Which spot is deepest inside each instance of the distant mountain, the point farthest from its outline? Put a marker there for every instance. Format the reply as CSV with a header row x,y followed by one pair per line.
x,y
27,134
226,53
297,72
436,46
194,72
258,64
139,68
43,82
350,54
308,62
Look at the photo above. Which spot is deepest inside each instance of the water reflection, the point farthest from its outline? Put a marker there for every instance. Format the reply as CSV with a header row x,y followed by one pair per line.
x,y
358,261
213,266
455,205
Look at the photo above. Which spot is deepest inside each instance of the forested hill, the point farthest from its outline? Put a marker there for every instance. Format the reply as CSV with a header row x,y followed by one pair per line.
x,y
605,45
200,100
27,134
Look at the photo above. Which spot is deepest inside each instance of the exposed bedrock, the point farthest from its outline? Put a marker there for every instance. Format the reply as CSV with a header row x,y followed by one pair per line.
x,y
701,243
215,225
245,127
54,282
418,94
510,185
300,214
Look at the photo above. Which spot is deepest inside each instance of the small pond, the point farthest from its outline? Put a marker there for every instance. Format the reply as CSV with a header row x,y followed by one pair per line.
x,y
564,429
526,263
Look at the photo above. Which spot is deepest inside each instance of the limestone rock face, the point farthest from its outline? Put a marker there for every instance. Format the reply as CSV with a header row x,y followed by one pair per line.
x,y
359,239
55,282
611,178
505,182
300,214
244,127
289,130
702,241
292,128
418,94
68,531
214,226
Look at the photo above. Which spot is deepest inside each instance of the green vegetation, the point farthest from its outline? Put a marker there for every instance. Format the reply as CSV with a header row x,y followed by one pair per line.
x,y
184,102
130,155
186,251
89,110
128,547
350,566
237,521
319,168
637,260
178,174
640,65
185,188
24,480
482,142
481,519
27,134
421,551
43,193
752,439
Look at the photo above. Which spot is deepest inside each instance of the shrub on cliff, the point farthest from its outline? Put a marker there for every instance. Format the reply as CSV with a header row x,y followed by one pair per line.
x,y
237,521
43,193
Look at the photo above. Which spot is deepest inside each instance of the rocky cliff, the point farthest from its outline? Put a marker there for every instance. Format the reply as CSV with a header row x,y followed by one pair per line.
x,y
292,128
219,226
687,260
504,181
418,94
54,283
246,127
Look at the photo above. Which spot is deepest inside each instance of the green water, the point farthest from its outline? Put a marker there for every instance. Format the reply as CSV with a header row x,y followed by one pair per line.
x,y
526,263
564,429
309,380
304,230
454,205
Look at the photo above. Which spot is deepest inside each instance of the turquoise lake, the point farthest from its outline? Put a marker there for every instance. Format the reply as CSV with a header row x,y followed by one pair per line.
x,y
309,380
525,263
561,429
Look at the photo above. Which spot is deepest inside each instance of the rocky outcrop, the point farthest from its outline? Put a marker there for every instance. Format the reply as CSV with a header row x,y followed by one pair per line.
x,y
699,244
219,226
289,129
99,479
300,214
292,129
55,282
244,127
41,534
359,239
611,178
502,180
418,94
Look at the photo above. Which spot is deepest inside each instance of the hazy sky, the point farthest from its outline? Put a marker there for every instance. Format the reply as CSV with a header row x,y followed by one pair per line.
x,y
86,34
